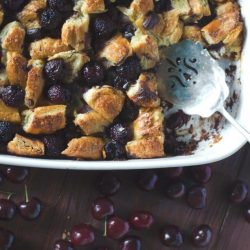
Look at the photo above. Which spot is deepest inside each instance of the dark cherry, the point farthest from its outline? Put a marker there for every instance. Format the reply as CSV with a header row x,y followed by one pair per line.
x,y
129,111
173,172
12,95
55,70
117,227
162,6
130,243
197,197
151,20
58,94
82,235
50,19
108,184
147,180
30,210
177,120
247,212
141,220
14,4
202,174
63,245
175,189
7,209
61,5
34,34
128,31
54,144
102,207
238,192
201,236
120,133
6,239
16,174
92,73
114,150
7,131
171,236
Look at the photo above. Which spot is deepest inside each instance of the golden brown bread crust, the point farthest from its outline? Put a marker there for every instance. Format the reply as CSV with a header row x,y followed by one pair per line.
x,y
16,68
233,35
44,120
91,122
1,14
29,16
74,62
105,100
149,123
35,83
140,8
146,48
47,47
146,148
86,147
21,145
199,9
3,77
9,114
116,50
144,92
93,6
192,32
12,37
74,31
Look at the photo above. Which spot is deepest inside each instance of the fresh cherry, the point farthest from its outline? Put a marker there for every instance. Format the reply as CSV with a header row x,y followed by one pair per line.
x,y
16,174
130,243
7,209
238,192
175,189
101,208
171,236
173,172
82,235
108,184
31,209
117,227
202,174
197,197
147,180
6,239
141,220
202,236
63,245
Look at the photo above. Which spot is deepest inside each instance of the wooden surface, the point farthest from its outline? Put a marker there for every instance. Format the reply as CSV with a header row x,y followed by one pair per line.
x,y
67,197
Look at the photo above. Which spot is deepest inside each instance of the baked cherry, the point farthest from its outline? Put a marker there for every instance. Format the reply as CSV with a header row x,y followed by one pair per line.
x,y
173,172
63,245
54,144
58,94
129,111
197,197
16,174
141,220
238,192
114,150
55,70
6,239
13,95
108,184
50,19
202,174
175,189
34,34
82,235
130,243
171,236
7,131
102,207
117,227
14,4
7,209
61,5
120,133
147,180
162,6
201,236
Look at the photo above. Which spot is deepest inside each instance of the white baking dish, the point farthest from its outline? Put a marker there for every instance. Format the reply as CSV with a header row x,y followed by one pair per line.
x,y
231,140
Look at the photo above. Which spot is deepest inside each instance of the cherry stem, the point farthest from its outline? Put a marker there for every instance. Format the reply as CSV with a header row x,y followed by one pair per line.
x,y
26,193
105,227
9,194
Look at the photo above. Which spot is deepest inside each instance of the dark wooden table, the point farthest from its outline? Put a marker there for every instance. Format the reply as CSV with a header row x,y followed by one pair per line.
x,y
67,197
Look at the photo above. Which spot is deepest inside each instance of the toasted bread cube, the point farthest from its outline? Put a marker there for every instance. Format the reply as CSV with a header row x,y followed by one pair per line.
x,y
12,37
74,31
144,92
146,48
233,35
199,8
146,148
9,114
233,50
91,122
74,62
105,100
227,7
140,8
86,147
3,77
35,83
93,6
182,6
116,50
1,14
149,123
44,120
29,16
193,33
21,145
16,68
47,47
